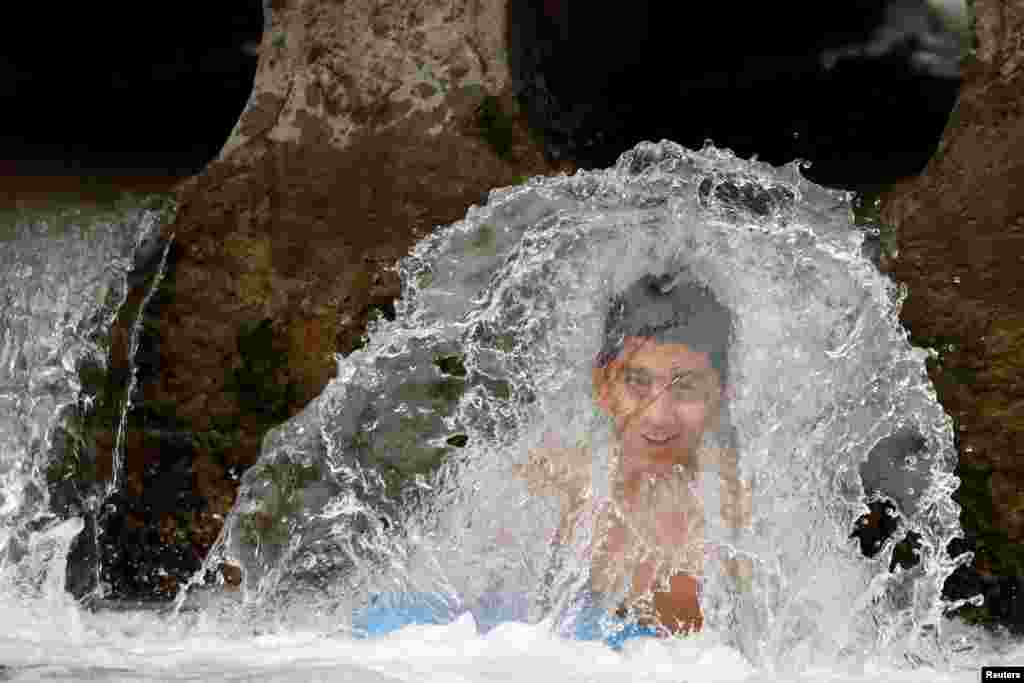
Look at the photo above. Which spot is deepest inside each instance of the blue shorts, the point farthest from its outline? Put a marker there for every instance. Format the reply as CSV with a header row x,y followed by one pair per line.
x,y
387,612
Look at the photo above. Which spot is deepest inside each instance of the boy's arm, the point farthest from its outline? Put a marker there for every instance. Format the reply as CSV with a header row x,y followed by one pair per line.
x,y
737,511
736,494
552,470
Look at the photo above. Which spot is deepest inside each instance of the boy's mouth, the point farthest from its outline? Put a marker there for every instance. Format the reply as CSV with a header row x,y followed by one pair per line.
x,y
658,439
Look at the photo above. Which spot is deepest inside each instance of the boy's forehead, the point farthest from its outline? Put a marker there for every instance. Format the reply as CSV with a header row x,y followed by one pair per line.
x,y
649,353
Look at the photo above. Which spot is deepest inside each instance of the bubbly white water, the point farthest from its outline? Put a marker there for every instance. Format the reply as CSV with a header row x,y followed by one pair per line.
x,y
54,642
822,371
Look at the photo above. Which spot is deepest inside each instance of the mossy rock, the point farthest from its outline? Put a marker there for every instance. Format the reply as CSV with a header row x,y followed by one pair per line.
x,y
74,462
484,240
102,394
415,445
867,215
992,546
496,126
442,393
256,383
454,365
418,458
269,524
97,201
977,616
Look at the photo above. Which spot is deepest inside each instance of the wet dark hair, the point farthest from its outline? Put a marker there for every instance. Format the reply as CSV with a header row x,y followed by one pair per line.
x,y
684,313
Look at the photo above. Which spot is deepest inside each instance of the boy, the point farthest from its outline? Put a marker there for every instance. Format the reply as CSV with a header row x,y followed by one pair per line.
x,y
661,376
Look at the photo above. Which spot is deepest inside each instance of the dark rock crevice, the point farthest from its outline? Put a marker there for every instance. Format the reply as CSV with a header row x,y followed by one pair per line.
x,y
756,81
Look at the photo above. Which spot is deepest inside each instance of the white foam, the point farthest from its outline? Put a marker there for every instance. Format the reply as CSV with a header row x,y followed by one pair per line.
x,y
143,646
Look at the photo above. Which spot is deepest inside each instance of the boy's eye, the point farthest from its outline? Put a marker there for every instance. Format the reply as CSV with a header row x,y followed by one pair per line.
x,y
686,388
637,379
637,382
687,391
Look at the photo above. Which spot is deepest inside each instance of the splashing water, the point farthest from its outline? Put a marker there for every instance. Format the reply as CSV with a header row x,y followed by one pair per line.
x,y
65,279
497,328
490,353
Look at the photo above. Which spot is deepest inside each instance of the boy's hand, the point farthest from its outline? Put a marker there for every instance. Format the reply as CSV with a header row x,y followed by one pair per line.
x,y
741,570
555,470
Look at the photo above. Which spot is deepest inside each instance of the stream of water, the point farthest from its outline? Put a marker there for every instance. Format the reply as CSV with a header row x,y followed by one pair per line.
x,y
490,356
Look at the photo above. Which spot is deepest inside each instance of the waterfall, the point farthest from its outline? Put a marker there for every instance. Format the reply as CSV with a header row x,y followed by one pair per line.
x,y
65,278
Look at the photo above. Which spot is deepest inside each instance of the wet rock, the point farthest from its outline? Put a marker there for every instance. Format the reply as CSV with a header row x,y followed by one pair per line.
x,y
368,125
959,228
894,470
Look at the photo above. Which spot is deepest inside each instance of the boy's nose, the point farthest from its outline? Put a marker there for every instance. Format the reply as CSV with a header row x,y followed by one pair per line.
x,y
660,413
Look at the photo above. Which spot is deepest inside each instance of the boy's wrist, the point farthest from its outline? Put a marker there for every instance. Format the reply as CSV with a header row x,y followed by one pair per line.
x,y
744,584
741,571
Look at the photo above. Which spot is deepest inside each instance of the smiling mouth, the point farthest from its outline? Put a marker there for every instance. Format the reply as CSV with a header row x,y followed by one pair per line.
x,y
660,441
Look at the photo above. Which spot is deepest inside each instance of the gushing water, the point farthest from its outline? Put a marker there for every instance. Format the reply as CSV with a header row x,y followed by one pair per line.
x,y
65,280
488,361
492,348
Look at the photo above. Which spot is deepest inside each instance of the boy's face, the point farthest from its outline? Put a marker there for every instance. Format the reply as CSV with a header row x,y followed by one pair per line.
x,y
662,398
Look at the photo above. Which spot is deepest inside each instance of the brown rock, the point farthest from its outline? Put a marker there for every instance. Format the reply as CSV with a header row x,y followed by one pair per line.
x,y
960,228
208,475
232,575
361,136
168,529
